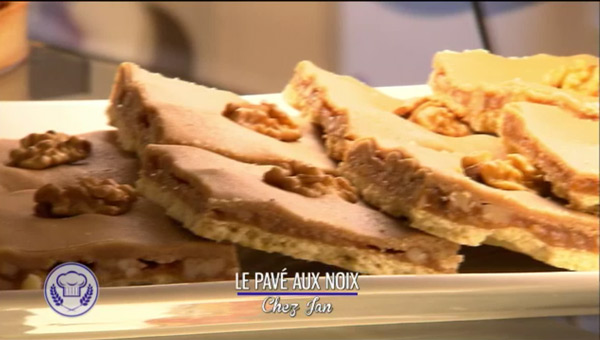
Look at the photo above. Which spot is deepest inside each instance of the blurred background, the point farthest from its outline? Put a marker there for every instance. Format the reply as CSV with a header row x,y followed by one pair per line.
x,y
253,47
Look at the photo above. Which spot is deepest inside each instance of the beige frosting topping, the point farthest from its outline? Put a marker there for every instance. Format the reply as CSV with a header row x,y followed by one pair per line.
x,y
480,66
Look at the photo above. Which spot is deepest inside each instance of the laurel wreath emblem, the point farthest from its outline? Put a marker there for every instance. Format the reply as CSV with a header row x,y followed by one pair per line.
x,y
58,301
85,300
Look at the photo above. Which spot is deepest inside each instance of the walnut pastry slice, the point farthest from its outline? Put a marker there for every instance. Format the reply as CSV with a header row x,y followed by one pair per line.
x,y
137,247
367,112
149,108
564,147
477,84
408,171
295,210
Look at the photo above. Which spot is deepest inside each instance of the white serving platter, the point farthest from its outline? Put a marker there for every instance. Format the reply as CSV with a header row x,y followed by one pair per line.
x,y
182,309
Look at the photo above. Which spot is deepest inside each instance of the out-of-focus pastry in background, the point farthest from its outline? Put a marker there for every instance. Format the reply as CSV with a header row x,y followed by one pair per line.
x,y
14,46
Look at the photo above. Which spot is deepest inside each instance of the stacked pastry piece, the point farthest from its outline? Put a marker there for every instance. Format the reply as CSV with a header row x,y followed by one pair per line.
x,y
533,190
250,174
70,198
477,84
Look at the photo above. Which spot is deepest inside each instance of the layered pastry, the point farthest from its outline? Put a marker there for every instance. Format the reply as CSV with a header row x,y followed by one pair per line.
x,y
476,84
469,190
296,210
315,93
141,246
565,148
40,158
149,108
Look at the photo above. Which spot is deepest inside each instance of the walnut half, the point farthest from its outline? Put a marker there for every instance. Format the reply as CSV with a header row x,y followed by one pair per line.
x,y
514,172
44,150
310,181
434,115
89,195
264,118
580,77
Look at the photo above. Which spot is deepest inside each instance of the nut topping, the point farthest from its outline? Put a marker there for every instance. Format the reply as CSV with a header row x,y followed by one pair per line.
x,y
264,118
514,172
89,195
310,181
433,115
44,150
579,77
409,105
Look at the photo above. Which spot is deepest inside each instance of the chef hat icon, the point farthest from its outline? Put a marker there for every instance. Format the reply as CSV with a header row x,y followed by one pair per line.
x,y
71,282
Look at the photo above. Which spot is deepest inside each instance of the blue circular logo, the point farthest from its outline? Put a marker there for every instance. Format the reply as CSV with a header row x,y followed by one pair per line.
x,y
71,289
